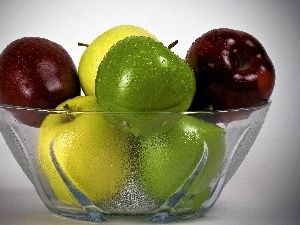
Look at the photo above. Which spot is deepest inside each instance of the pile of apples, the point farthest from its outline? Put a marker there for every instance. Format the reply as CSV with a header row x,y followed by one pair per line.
x,y
230,69
127,69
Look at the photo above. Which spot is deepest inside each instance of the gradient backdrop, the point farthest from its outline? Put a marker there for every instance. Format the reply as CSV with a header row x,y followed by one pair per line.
x,y
265,190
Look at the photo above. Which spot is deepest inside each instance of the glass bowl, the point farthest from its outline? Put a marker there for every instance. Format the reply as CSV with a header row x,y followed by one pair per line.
x,y
160,166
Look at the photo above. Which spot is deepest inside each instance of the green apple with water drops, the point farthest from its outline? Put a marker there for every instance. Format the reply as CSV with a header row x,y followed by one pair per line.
x,y
142,76
170,161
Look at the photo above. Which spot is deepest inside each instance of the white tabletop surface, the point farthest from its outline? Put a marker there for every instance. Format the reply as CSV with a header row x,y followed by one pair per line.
x,y
265,189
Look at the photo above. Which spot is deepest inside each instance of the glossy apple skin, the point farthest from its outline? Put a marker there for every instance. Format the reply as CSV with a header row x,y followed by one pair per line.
x,y
232,70
36,72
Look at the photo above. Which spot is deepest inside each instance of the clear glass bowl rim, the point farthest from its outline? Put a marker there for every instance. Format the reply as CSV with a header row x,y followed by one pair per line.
x,y
56,111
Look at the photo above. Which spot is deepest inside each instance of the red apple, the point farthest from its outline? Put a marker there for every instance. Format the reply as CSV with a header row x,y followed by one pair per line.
x,y
232,70
38,73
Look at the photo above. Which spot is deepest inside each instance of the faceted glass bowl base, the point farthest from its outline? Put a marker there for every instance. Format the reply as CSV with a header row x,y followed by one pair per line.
x,y
145,166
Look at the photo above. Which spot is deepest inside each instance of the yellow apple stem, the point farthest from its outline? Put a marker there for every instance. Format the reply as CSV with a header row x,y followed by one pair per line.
x,y
68,117
82,44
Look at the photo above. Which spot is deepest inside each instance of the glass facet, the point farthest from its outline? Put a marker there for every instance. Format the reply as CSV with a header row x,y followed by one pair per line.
x,y
96,166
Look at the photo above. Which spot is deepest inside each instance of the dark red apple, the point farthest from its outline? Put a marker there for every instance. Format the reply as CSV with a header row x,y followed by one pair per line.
x,y
38,73
232,70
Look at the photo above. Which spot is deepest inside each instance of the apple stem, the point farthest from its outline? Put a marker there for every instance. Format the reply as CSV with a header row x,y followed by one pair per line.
x,y
172,44
67,107
68,117
82,44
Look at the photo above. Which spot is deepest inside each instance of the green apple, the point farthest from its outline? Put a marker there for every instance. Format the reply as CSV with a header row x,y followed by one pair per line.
x,y
94,53
169,160
92,154
139,74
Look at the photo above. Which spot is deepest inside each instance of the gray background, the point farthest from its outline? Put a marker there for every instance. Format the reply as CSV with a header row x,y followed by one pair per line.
x,y
265,189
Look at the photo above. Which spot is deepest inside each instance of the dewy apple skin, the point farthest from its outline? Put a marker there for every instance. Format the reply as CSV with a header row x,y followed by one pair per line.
x,y
232,70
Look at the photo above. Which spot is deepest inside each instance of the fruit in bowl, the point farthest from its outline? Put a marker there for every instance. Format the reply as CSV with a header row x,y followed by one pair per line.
x,y
140,74
171,159
94,53
85,168
232,70
38,73
91,153
137,147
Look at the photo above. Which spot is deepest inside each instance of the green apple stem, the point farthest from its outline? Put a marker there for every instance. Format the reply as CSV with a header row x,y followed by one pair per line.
x,y
82,44
172,44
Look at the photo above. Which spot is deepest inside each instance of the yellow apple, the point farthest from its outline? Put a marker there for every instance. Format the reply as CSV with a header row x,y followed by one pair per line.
x,y
93,155
94,53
